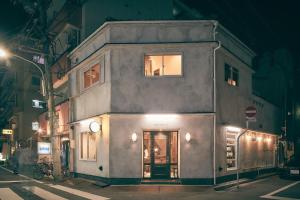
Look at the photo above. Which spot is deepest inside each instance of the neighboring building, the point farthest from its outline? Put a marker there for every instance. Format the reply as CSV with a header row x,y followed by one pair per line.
x,y
26,88
170,103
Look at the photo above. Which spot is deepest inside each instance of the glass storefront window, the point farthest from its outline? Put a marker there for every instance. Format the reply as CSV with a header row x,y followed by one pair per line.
x,y
231,150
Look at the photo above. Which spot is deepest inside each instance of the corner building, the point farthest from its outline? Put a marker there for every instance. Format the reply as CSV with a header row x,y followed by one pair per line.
x,y
169,97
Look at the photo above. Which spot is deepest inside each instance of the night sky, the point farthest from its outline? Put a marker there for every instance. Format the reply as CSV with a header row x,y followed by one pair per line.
x,y
12,19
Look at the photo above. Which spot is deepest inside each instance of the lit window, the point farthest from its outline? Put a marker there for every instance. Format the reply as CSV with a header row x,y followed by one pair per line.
x,y
87,146
163,65
91,76
231,75
231,150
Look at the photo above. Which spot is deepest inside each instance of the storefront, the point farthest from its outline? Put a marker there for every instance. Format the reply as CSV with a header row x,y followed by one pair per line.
x,y
160,156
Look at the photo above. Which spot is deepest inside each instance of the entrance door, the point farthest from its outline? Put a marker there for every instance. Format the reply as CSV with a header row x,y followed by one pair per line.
x,y
160,155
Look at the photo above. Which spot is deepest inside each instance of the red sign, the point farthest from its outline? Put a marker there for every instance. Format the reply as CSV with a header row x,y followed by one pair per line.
x,y
250,112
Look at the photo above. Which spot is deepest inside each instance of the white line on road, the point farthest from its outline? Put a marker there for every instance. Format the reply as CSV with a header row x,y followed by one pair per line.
x,y
8,194
270,195
43,193
78,192
17,181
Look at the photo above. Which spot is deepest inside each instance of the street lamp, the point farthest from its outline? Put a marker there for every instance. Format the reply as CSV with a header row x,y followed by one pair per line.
x,y
47,90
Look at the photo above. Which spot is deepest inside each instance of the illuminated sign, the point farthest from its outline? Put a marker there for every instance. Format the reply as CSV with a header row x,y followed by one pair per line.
x,y
7,131
35,126
44,148
38,104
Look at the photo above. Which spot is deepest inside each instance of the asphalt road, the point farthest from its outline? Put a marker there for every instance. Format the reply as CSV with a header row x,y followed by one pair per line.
x,y
17,187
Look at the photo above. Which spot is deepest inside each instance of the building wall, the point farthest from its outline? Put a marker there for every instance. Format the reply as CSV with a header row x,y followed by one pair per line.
x,y
143,32
95,100
132,92
195,157
231,102
102,152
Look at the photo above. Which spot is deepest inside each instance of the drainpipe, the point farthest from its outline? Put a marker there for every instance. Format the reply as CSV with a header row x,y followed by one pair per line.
x,y
214,82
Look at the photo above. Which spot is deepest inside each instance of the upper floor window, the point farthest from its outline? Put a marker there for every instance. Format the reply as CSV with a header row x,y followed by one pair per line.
x,y
163,65
231,75
91,76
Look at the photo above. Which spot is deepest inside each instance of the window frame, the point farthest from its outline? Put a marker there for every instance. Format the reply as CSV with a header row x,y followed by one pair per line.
x,y
89,66
164,54
235,134
232,71
80,149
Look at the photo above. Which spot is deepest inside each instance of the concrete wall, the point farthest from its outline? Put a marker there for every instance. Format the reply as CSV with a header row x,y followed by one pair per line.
x,y
195,157
133,92
96,99
143,32
102,152
231,104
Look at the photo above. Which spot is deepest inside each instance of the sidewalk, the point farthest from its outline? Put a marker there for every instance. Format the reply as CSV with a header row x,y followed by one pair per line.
x,y
229,184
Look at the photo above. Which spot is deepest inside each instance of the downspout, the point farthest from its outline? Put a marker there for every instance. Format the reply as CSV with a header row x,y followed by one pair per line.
x,y
214,111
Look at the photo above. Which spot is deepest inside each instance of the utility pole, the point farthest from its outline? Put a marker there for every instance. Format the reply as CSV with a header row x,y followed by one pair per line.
x,y
42,8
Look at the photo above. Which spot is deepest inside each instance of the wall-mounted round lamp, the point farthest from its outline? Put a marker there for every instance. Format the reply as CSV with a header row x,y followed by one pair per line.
x,y
133,137
188,137
94,127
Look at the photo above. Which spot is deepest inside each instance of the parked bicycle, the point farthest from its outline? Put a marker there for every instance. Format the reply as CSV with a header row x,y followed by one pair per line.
x,y
42,169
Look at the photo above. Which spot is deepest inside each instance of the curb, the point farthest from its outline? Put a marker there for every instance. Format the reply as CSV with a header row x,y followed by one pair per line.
x,y
230,184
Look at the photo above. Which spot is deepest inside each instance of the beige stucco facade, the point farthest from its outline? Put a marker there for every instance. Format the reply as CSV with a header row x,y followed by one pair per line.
x,y
198,102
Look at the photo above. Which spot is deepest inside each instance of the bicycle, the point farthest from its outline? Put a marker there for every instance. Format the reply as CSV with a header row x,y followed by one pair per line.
x,y
42,169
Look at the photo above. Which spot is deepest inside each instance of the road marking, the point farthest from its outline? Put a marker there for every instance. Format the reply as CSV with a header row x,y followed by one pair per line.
x,y
270,195
16,181
8,194
78,192
43,193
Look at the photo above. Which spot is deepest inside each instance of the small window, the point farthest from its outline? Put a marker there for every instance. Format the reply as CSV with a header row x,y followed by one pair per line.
x,y
231,75
163,65
36,81
91,76
231,150
87,146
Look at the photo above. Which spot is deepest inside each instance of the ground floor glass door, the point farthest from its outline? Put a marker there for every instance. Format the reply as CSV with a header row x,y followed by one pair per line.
x,y
160,154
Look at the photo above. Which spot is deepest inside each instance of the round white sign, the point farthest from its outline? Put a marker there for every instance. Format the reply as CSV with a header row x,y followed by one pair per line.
x,y
94,127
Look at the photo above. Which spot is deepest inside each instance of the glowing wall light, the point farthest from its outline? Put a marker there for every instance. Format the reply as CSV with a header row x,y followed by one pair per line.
x,y
259,138
161,117
133,137
248,137
188,137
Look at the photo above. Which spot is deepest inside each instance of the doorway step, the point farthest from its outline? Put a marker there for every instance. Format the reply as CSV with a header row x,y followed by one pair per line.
x,y
161,181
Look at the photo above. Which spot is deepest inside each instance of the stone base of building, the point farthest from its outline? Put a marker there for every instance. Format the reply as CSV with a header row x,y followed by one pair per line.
x,y
181,181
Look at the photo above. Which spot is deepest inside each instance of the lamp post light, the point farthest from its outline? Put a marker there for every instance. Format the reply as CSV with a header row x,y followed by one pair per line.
x,y
47,91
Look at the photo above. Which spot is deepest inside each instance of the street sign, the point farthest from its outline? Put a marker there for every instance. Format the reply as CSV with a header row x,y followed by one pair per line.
x,y
7,131
250,112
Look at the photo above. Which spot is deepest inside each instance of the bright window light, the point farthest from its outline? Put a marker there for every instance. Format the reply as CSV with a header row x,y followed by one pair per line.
x,y
233,129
